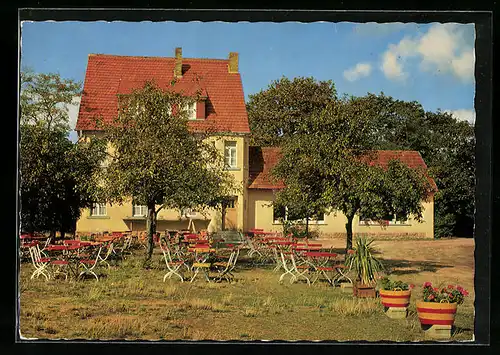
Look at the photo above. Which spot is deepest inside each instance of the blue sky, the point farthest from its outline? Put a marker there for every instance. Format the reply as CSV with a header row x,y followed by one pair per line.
x,y
429,63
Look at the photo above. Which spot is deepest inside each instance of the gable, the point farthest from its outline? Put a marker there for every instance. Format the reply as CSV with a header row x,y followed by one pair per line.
x,y
110,75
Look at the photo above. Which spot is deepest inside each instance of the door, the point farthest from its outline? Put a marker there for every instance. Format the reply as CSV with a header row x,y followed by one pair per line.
x,y
231,221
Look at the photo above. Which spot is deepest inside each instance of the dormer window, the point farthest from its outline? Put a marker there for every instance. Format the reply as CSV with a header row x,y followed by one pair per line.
x,y
191,111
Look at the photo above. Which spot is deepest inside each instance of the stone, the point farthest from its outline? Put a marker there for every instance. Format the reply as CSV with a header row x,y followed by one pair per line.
x,y
437,331
397,312
346,287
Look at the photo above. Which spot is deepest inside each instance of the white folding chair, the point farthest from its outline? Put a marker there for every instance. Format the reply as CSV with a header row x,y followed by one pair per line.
x,y
225,268
173,267
109,251
40,264
90,264
290,267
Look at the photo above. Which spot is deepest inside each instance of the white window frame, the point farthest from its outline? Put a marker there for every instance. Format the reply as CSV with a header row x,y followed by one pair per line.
x,y
142,209
301,221
393,222
98,210
191,111
231,154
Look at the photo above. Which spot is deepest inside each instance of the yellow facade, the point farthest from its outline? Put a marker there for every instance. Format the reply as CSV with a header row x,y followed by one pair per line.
x,y
253,209
261,216
119,218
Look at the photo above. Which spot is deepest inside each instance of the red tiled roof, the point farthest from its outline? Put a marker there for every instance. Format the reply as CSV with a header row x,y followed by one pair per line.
x,y
109,75
262,160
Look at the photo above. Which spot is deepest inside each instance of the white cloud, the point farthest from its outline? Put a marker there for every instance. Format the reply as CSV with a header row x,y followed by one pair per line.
x,y
442,49
463,115
360,70
393,59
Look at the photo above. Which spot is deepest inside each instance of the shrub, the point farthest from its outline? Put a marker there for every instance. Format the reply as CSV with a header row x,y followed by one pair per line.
x,y
393,285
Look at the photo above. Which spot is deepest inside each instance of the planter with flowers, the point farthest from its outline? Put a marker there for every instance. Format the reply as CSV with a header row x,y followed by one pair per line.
x,y
395,296
437,310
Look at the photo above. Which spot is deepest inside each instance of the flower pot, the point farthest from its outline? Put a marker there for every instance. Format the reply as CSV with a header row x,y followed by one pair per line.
x,y
395,303
364,291
433,313
395,299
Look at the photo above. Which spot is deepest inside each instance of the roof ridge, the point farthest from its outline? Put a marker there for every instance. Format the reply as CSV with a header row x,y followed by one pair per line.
x,y
151,57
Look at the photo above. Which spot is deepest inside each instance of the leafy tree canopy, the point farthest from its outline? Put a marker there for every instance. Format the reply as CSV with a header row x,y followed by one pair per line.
x,y
57,177
157,161
331,159
277,112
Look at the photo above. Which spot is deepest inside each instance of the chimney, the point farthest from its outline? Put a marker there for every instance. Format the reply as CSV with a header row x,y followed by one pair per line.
x,y
233,62
178,63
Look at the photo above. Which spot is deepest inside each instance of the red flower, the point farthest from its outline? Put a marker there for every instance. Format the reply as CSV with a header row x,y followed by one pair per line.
x,y
465,293
411,286
435,289
460,288
431,297
427,284
450,286
350,251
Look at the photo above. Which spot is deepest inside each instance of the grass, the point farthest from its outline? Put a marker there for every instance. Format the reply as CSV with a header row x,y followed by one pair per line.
x,y
133,303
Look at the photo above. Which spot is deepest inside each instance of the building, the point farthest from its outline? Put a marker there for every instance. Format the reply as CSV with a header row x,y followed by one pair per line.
x,y
261,189
221,108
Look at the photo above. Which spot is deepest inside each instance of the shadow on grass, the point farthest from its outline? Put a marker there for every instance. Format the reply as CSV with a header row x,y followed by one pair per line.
x,y
394,266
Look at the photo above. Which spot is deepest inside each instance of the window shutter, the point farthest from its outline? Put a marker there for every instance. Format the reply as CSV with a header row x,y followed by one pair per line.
x,y
175,110
200,110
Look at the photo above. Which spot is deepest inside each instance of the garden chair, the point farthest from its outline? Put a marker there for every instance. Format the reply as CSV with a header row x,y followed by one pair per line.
x,y
277,258
57,267
292,268
90,264
40,264
47,243
225,268
173,266
109,250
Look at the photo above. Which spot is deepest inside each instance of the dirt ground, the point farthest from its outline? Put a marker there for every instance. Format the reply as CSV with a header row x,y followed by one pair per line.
x,y
437,261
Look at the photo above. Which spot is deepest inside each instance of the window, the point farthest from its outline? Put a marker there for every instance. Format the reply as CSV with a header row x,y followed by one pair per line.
x,y
230,154
392,222
188,213
282,213
98,209
140,210
191,111
279,213
230,202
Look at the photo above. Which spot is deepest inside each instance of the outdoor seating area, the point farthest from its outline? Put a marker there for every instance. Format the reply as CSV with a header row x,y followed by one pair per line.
x,y
253,281
187,256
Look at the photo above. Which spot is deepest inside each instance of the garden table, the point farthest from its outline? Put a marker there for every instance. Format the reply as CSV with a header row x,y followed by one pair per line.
x,y
72,256
321,263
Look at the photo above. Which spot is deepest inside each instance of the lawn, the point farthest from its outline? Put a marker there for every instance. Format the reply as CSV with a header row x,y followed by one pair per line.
x,y
132,303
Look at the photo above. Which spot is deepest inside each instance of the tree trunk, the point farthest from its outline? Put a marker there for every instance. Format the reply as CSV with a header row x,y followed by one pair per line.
x,y
348,227
223,213
150,229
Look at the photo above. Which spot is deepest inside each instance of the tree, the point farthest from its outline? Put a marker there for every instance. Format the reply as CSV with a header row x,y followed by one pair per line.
x,y
57,177
156,161
275,113
446,145
44,99
334,152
